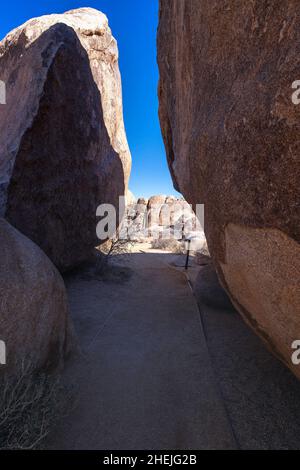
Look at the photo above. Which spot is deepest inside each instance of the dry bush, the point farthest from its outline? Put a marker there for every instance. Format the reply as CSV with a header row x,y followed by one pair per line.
x,y
116,246
110,248
171,245
30,405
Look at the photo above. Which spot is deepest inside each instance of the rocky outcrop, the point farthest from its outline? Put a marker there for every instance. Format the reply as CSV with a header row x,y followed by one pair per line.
x,y
136,220
154,206
231,133
34,323
63,148
162,217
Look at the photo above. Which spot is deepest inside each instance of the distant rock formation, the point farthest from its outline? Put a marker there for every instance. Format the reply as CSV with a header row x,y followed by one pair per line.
x,y
63,148
162,217
231,133
154,206
34,323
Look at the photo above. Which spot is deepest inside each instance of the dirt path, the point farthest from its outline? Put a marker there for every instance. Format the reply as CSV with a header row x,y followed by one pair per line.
x,y
145,379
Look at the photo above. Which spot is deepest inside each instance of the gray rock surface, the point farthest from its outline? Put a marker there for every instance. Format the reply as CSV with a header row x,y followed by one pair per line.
x,y
34,321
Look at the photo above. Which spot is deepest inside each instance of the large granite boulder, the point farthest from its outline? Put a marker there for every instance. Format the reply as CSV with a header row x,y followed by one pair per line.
x,y
63,148
231,132
154,206
34,322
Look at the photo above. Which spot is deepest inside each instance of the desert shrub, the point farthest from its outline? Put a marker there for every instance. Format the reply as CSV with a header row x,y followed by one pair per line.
x,y
30,406
115,246
171,245
109,249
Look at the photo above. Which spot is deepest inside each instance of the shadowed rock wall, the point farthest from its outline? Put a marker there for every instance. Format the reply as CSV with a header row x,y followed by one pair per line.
x,y
63,148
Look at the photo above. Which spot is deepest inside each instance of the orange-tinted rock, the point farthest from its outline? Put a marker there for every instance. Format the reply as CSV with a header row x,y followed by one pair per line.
x,y
231,133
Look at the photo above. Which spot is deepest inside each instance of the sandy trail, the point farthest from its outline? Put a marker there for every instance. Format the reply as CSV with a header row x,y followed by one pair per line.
x,y
144,378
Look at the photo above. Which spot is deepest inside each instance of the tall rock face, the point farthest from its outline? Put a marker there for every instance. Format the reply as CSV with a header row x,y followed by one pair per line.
x,y
232,135
34,322
63,148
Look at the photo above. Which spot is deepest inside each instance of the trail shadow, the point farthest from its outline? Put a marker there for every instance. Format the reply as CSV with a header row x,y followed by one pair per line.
x,y
113,273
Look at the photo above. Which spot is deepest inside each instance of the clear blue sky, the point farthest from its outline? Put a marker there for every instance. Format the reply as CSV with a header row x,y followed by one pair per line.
x,y
134,24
